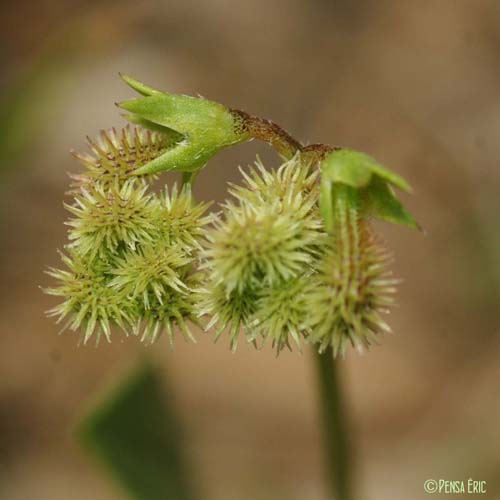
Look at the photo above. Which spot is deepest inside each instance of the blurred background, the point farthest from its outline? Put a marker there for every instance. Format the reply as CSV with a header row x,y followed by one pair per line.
x,y
415,84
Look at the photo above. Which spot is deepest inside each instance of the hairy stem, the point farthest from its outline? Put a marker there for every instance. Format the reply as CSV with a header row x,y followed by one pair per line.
x,y
277,137
335,437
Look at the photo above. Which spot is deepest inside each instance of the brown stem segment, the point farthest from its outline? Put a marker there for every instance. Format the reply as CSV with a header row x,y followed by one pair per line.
x,y
277,137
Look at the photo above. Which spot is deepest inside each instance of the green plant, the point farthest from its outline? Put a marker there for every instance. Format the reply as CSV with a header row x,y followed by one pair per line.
x,y
291,259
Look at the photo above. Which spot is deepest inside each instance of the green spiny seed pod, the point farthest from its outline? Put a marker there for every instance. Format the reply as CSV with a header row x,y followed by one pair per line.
x,y
107,219
181,221
114,156
270,235
228,310
160,275
281,311
175,309
353,286
291,257
140,248
89,305
256,246
156,270
294,184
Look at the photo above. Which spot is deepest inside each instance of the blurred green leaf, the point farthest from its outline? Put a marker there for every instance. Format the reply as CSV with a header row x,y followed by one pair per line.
x,y
133,432
357,169
26,106
365,184
380,202
18,122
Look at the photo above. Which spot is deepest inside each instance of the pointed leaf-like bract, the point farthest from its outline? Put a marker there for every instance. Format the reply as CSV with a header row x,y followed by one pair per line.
x,y
380,201
139,87
372,183
356,169
204,127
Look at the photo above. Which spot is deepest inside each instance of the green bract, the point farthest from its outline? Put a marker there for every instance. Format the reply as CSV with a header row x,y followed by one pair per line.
x,y
372,183
203,127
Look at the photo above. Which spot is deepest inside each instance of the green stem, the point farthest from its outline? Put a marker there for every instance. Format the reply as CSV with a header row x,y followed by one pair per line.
x,y
335,437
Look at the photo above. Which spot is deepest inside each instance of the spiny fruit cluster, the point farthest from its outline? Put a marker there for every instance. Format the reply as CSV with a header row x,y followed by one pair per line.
x,y
274,272
132,255
265,265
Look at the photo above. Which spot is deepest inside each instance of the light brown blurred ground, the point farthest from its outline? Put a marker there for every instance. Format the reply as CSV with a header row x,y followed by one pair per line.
x,y
414,83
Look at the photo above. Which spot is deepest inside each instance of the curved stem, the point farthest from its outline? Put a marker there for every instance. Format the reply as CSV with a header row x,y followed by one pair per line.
x,y
284,144
335,436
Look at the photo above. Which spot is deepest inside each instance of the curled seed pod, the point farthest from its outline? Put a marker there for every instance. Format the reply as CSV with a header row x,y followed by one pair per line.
x,y
353,285
114,156
109,218
89,305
